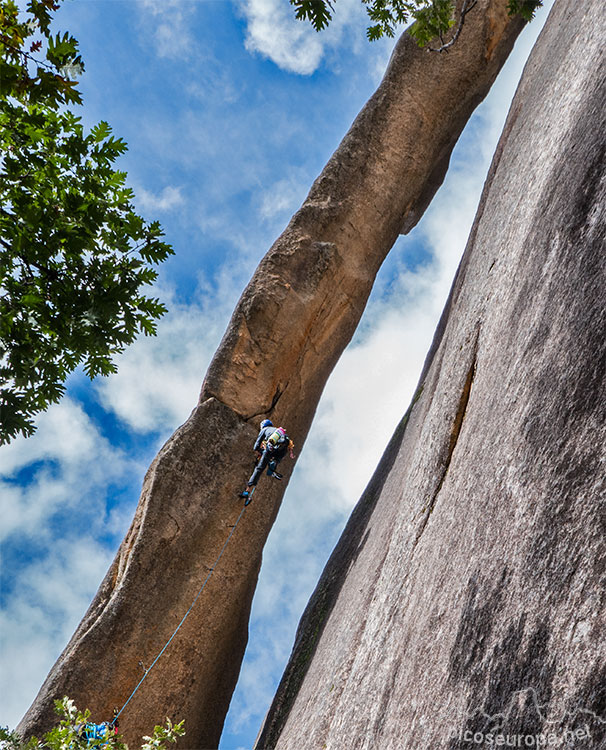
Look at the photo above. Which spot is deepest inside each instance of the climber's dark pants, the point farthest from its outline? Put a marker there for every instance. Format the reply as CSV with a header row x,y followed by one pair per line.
x,y
274,457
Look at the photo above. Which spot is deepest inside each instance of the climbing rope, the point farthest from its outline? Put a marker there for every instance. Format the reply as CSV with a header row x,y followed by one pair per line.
x,y
166,645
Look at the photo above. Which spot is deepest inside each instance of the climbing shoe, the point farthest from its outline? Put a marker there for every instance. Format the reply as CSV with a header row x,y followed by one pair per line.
x,y
276,475
247,495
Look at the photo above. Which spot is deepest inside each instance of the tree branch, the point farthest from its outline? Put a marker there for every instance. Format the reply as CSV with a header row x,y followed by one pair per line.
x,y
467,6
6,43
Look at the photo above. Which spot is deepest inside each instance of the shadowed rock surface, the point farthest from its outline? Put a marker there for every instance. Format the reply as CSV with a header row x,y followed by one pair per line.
x,y
471,578
293,321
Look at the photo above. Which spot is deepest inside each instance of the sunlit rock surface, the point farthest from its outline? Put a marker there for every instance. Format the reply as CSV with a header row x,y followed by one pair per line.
x,y
465,600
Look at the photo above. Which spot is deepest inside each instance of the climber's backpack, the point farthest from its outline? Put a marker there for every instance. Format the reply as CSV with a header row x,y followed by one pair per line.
x,y
94,733
277,439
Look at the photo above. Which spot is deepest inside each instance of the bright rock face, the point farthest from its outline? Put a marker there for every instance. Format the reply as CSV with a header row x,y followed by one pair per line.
x,y
465,601
293,321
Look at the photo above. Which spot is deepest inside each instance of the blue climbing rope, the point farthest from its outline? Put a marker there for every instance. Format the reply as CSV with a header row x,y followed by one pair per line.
x,y
166,645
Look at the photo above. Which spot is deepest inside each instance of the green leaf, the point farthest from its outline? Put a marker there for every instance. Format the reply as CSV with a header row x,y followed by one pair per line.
x,y
318,12
526,8
100,131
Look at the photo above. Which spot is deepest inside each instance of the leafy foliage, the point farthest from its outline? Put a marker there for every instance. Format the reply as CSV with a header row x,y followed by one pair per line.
x,y
526,8
70,734
74,255
21,74
432,18
432,21
317,12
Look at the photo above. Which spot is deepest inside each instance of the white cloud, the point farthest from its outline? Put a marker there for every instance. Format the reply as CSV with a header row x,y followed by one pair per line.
x,y
159,377
274,32
49,442
169,198
169,21
283,197
49,598
55,565
67,458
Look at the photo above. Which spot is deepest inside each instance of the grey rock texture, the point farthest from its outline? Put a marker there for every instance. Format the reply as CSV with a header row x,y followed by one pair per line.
x,y
290,326
466,595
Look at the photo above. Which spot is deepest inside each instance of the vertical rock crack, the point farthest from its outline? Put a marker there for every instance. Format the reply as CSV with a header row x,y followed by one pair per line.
x,y
452,443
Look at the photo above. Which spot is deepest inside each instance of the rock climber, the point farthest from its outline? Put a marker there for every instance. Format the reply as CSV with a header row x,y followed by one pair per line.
x,y
270,447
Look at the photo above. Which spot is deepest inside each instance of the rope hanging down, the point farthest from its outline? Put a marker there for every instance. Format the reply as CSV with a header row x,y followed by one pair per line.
x,y
163,649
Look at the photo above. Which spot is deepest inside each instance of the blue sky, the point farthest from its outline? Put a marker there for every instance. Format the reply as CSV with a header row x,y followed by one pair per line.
x,y
230,110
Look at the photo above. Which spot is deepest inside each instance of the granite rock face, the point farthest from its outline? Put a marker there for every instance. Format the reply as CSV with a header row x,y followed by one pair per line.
x,y
466,598
293,321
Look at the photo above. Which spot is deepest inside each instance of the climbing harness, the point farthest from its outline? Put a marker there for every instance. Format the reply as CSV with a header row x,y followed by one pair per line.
x,y
163,649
